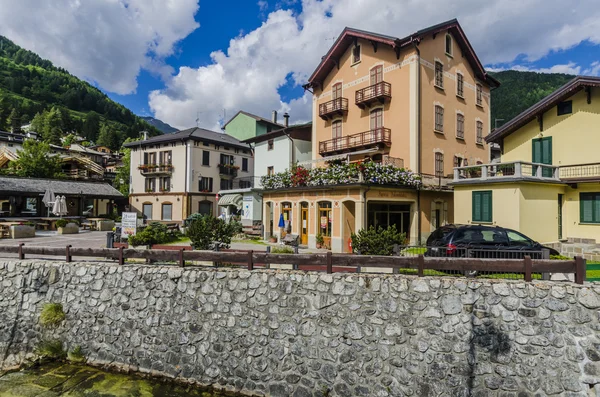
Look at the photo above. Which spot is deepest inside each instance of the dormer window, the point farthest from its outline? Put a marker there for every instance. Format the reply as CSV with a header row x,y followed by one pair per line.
x,y
448,45
356,54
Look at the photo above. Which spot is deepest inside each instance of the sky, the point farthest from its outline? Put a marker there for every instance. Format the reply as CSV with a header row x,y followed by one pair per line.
x,y
190,62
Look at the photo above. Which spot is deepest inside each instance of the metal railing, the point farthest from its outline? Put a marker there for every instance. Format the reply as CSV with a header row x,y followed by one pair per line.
x,y
513,169
378,136
377,91
409,260
228,170
338,105
154,169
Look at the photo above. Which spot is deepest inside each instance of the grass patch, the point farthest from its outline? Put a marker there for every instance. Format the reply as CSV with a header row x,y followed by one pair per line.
x,y
282,250
180,241
76,355
52,315
414,251
249,241
50,349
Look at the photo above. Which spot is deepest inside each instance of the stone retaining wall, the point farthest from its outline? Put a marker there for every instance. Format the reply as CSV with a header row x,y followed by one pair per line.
x,y
286,333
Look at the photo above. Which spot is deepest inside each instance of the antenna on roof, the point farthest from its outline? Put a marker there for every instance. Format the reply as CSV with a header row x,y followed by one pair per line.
x,y
198,118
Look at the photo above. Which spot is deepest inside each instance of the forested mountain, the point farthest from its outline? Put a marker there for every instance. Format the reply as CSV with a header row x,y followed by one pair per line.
x,y
30,86
160,125
520,90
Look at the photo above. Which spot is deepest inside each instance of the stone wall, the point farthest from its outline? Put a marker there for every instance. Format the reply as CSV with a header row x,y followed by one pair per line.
x,y
311,334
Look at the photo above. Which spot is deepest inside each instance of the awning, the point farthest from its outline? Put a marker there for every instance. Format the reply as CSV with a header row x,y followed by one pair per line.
x,y
231,199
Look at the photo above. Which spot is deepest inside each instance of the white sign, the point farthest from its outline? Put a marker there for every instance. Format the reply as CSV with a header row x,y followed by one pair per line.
x,y
128,223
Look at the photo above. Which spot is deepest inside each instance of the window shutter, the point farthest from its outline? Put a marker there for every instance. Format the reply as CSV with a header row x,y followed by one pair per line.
x,y
547,151
536,155
486,206
145,158
476,206
586,208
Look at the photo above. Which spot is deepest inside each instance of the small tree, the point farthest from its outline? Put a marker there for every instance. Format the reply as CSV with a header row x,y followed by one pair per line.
x,y
377,240
154,233
205,231
36,160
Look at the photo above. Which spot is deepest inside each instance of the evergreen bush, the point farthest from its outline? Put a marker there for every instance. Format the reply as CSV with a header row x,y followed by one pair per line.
x,y
377,240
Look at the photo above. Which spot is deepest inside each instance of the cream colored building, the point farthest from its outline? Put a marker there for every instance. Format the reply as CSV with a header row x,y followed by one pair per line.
x,y
175,175
421,102
546,185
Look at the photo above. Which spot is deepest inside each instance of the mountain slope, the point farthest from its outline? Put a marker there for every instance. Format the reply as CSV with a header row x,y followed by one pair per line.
x,y
160,125
33,85
520,90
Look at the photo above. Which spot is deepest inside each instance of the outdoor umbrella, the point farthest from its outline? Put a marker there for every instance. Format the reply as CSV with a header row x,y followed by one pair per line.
x,y
48,199
281,221
63,206
56,206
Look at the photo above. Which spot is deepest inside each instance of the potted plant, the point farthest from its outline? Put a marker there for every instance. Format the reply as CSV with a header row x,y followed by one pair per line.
x,y
64,226
273,239
320,240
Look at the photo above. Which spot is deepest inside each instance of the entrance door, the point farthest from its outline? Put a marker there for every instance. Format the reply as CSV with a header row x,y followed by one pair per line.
x,y
542,154
304,224
560,227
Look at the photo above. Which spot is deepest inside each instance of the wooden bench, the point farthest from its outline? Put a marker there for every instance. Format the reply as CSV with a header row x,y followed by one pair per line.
x,y
88,226
290,239
42,225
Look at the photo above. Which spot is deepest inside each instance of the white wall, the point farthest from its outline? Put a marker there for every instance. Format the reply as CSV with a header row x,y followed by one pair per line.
x,y
303,150
279,158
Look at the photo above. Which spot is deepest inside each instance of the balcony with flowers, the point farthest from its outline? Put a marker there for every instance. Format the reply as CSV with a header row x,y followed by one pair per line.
x,y
155,169
228,170
371,173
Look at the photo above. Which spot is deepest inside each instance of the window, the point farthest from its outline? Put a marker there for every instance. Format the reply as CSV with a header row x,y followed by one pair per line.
x,y
336,91
245,165
479,95
376,74
439,164
147,211
205,185
482,206
565,107
270,170
460,126
460,85
449,44
479,140
336,129
439,75
206,143
205,207
376,119
324,219
270,144
165,184
205,157
226,184
167,211
227,159
589,207
439,119
150,185
286,211
457,161
245,184
516,238
165,158
541,153
150,158
356,54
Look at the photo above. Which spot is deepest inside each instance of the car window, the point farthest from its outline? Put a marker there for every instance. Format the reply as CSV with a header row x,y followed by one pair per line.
x,y
480,236
518,239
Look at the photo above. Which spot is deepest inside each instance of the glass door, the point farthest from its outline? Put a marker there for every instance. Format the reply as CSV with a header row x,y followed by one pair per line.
x,y
304,224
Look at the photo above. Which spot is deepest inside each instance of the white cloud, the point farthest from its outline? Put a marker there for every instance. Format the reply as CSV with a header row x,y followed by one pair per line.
x,y
568,68
250,72
104,41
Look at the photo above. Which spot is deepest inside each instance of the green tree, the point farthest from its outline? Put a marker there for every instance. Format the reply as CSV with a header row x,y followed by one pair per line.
x,y
15,121
91,126
377,240
205,231
38,123
123,172
36,160
52,128
108,137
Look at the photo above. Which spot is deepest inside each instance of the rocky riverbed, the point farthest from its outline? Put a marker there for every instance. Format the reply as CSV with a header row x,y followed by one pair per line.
x,y
57,379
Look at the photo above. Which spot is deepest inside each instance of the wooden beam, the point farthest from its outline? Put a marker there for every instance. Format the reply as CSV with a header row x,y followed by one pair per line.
x,y
397,49
540,120
588,91
374,44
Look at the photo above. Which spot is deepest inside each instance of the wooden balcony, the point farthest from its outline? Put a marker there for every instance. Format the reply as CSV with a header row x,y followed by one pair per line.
x,y
378,137
153,169
380,93
335,107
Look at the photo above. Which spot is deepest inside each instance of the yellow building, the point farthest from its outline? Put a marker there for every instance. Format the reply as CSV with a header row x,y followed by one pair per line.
x,y
547,184
420,102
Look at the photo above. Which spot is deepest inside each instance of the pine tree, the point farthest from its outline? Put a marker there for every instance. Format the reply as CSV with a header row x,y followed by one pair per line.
x,y
15,121
52,128
108,137
38,123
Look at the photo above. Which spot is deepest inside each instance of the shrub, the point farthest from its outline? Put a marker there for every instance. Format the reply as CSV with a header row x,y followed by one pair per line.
x,y
319,239
377,241
205,231
51,349
75,221
76,355
282,250
61,223
154,233
560,258
52,314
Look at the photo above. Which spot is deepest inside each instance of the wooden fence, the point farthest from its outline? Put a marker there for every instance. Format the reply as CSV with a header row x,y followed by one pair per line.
x,y
327,262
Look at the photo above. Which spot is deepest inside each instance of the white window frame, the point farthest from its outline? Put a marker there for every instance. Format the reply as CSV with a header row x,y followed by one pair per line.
x,y
435,104
451,53
463,88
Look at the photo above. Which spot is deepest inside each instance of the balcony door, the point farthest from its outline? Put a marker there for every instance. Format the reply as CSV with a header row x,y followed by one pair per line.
x,y
336,93
376,78
542,154
376,125
336,134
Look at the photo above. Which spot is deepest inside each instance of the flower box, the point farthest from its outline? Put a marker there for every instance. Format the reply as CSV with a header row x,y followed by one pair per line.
x,y
22,231
70,228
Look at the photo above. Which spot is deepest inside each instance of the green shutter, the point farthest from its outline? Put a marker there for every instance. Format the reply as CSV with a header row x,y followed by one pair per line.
x,y
586,208
476,207
486,206
596,207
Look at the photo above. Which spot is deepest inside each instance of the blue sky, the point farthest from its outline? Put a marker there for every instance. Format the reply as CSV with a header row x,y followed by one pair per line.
x,y
182,58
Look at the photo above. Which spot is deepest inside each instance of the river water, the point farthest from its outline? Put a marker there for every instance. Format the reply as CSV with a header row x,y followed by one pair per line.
x,y
68,380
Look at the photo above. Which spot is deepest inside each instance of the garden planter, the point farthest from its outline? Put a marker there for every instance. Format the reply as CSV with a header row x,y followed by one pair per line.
x,y
70,228
106,226
22,231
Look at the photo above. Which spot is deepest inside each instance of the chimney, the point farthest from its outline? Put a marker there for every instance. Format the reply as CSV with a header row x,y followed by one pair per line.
x,y
274,118
286,116
144,135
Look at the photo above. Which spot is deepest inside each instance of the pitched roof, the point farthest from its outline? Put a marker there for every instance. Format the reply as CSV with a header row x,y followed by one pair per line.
x,y
562,93
349,35
255,117
14,185
298,131
196,134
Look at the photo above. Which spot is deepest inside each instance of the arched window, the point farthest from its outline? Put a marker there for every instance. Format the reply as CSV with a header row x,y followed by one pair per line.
x,y
448,44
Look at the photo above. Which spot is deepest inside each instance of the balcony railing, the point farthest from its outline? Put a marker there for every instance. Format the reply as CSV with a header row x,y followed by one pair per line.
x,y
228,170
154,169
580,172
507,171
337,106
376,137
379,92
